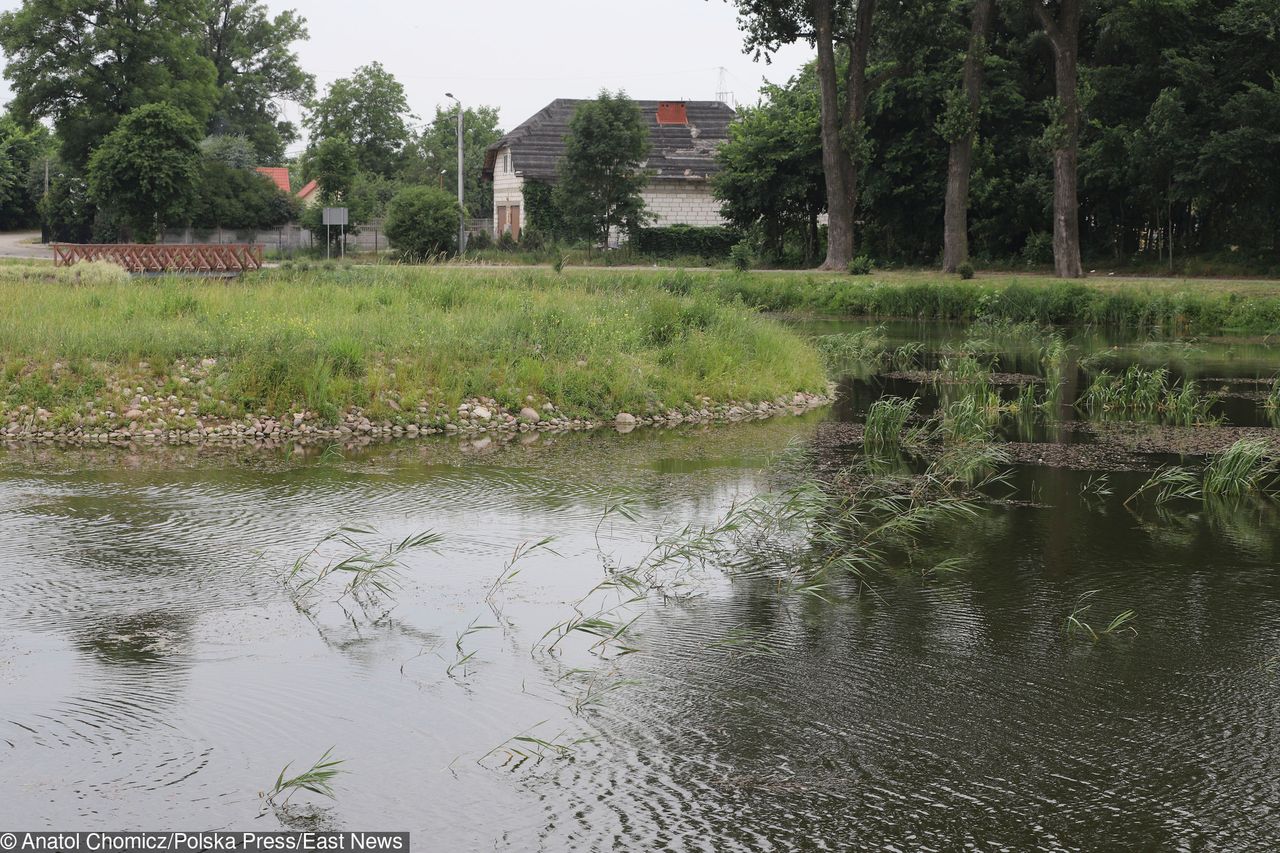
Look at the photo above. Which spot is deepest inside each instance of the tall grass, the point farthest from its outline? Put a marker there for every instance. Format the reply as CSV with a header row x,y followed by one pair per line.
x,y
1249,466
1142,392
865,348
1172,306
886,420
592,343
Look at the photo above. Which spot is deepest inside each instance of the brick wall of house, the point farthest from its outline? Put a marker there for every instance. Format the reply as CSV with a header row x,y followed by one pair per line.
x,y
508,189
675,203
683,203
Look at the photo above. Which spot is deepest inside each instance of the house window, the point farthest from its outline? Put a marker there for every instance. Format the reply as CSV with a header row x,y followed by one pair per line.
x,y
506,162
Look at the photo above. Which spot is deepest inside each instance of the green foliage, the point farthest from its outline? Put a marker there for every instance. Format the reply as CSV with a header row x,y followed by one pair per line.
x,y
1247,467
22,155
771,168
860,265
234,151
965,270
542,210
741,255
348,336
86,64
369,112
147,170
886,420
422,222
436,150
602,173
332,163
240,198
1142,392
675,241
256,70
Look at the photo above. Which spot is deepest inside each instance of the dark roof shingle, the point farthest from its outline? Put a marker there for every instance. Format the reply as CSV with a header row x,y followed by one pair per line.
x,y
677,152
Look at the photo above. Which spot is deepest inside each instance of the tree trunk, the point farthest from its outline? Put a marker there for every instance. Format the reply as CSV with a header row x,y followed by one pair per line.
x,y
840,124
1064,37
955,232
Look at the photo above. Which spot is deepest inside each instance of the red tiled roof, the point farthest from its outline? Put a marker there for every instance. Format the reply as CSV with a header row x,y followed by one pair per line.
x,y
306,191
279,176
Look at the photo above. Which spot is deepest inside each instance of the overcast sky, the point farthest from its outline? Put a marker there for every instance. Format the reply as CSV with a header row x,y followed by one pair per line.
x,y
518,55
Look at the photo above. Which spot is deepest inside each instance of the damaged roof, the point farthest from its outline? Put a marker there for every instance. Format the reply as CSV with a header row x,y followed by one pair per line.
x,y
678,151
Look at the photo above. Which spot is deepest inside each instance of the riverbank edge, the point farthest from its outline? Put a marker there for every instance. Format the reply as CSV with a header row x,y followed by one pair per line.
x,y
476,417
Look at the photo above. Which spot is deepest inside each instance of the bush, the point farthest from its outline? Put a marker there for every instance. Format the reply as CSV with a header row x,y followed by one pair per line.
x,y
480,241
531,240
507,243
860,265
422,222
965,270
1038,250
740,254
673,241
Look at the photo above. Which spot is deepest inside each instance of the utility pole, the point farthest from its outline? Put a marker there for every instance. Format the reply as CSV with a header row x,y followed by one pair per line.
x,y
462,210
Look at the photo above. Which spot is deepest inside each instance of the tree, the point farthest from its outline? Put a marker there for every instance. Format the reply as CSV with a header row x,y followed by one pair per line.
x,y
436,150
423,222
1061,22
333,165
239,198
369,111
771,166
959,127
602,174
235,151
256,67
146,171
832,26
23,153
86,64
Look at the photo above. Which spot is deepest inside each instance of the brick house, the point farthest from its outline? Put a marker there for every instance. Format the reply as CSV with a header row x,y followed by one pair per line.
x,y
683,137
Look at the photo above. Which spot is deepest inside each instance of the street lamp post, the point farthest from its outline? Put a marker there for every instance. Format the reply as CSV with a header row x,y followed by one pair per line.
x,y
462,210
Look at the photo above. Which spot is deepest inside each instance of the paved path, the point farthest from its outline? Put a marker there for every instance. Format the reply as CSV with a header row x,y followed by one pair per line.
x,y
23,244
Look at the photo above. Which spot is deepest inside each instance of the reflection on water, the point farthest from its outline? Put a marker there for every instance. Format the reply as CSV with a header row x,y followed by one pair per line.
x,y
154,670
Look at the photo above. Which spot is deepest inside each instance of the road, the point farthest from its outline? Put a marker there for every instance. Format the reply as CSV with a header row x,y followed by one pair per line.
x,y
23,244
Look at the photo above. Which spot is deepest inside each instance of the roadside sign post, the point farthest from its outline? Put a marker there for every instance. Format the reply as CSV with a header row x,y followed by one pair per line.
x,y
335,216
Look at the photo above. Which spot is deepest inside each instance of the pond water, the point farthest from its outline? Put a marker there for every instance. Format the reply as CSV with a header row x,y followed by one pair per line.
x,y
156,670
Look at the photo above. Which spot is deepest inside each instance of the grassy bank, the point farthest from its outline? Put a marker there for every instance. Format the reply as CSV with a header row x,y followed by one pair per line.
x,y
390,340
1187,305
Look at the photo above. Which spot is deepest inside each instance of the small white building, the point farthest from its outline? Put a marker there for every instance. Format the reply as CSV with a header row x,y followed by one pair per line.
x,y
683,137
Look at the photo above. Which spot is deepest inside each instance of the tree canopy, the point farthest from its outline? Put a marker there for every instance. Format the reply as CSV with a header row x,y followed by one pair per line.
x,y
256,67
1178,132
370,112
771,168
602,174
146,172
86,64
436,150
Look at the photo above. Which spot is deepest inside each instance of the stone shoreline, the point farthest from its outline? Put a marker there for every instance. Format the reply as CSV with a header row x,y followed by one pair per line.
x,y
477,418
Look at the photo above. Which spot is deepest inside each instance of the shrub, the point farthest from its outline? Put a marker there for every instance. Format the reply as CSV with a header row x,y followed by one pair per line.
x,y
965,270
422,221
532,240
507,243
1038,250
673,241
480,241
741,256
860,265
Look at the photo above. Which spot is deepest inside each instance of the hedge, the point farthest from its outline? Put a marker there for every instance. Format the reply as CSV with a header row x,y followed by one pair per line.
x,y
673,241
